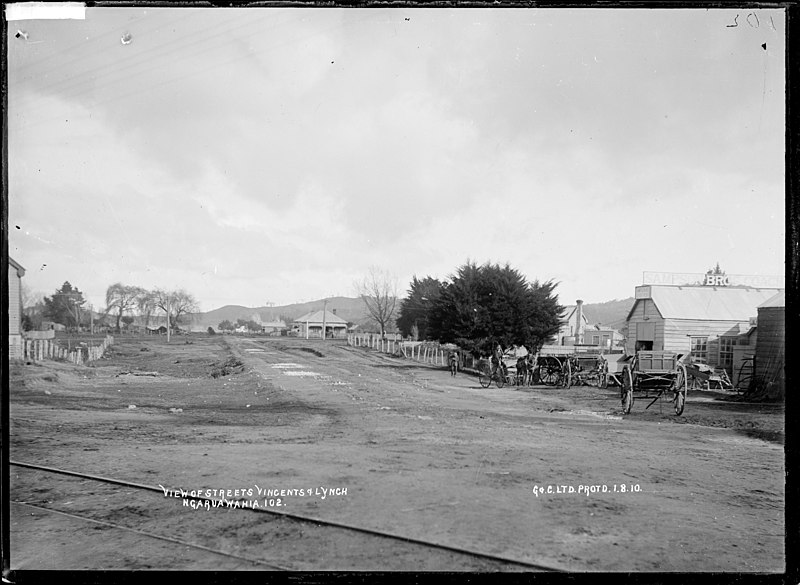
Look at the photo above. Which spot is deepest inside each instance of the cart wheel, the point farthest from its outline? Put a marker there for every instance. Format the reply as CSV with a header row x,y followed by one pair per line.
x,y
627,390
500,379
485,378
681,387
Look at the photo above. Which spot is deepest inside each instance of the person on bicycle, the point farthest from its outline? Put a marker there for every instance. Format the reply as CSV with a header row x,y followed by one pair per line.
x,y
498,365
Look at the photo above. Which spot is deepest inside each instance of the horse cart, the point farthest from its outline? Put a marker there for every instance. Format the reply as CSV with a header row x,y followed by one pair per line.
x,y
571,369
552,370
589,369
654,373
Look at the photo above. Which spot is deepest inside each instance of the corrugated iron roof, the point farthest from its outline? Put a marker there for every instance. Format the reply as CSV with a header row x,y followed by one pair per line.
x,y
779,300
316,317
707,303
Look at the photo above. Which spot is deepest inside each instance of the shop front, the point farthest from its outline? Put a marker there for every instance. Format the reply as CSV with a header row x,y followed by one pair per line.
x,y
704,314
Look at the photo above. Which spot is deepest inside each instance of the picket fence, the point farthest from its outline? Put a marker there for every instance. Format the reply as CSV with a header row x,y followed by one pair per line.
x,y
428,352
46,349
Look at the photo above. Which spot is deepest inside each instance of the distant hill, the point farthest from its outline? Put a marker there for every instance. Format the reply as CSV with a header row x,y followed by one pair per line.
x,y
351,310
610,314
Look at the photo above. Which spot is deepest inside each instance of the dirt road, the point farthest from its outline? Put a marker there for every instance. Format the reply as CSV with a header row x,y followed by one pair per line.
x,y
360,438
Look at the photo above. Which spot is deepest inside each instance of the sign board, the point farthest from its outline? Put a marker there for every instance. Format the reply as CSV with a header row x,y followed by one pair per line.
x,y
703,279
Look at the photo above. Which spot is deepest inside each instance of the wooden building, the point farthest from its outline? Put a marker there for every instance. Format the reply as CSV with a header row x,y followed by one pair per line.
x,y
771,346
15,274
703,320
571,326
311,324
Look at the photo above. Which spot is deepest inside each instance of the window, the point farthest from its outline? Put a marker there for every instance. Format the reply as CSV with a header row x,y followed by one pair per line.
x,y
595,340
726,351
700,349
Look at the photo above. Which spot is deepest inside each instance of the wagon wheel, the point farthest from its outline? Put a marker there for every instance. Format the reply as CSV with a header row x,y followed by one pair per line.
x,y
485,378
547,375
566,374
681,385
627,390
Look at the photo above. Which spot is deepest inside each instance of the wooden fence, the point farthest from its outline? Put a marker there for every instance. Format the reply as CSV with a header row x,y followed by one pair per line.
x,y
47,349
428,352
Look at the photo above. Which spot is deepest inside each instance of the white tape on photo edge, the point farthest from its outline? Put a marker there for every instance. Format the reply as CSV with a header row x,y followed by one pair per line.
x,y
45,11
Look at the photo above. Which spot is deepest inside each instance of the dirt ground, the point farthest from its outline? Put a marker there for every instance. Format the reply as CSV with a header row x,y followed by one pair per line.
x,y
364,439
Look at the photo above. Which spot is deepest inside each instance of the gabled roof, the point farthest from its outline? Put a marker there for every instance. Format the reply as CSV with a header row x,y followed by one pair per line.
x,y
779,300
316,317
568,311
17,266
706,303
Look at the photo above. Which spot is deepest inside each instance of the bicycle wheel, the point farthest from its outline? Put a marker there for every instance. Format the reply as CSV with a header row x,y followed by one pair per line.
x,y
500,379
627,391
485,378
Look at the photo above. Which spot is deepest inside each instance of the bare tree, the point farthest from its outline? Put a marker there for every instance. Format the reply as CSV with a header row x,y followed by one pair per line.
x,y
146,304
378,290
122,298
175,303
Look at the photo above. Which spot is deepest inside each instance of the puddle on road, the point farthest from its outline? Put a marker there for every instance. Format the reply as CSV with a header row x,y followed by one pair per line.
x,y
603,415
300,373
285,366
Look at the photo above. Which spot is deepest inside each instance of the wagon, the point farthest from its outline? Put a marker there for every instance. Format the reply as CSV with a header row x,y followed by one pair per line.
x,y
571,369
553,370
708,378
654,373
589,369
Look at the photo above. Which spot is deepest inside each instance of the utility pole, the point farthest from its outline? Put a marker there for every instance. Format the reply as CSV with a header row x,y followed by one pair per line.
x,y
324,309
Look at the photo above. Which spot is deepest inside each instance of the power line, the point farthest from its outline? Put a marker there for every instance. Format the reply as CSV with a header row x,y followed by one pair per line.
x,y
136,64
152,87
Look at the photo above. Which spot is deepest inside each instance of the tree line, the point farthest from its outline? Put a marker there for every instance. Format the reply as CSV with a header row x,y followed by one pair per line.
x,y
67,306
477,308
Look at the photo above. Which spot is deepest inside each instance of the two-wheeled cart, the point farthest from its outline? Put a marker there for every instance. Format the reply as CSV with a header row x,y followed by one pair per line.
x,y
656,373
589,369
553,370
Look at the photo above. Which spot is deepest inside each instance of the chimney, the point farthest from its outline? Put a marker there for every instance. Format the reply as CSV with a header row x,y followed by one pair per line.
x,y
579,318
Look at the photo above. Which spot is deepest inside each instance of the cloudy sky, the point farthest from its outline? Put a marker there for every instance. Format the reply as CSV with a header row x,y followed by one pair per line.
x,y
275,155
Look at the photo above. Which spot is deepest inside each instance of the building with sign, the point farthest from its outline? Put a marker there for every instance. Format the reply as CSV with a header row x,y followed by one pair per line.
x,y
705,315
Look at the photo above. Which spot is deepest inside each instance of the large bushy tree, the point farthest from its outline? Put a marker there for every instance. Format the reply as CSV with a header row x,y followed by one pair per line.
x,y
65,306
489,304
412,320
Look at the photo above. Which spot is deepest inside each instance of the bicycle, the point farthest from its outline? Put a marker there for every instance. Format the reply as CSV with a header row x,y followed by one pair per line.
x,y
495,374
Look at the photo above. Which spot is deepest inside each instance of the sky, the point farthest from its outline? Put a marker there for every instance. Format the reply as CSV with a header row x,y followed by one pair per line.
x,y
256,156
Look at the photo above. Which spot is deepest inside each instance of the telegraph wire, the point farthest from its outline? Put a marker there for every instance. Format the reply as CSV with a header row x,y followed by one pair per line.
x,y
137,59
193,73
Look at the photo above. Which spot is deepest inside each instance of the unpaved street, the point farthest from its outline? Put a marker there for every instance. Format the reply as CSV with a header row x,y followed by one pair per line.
x,y
393,446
